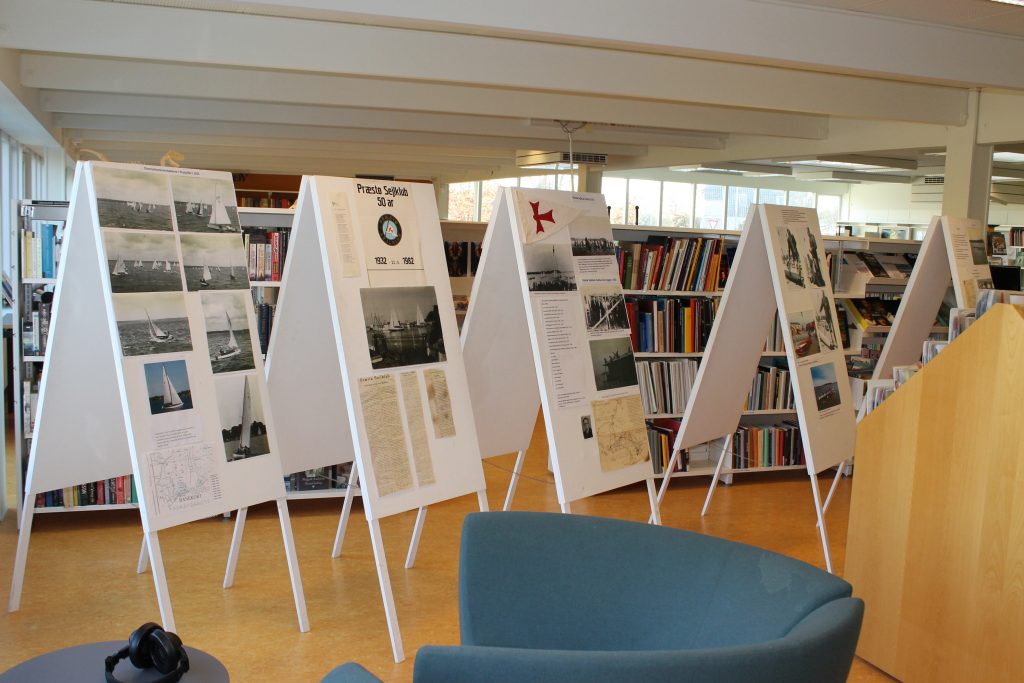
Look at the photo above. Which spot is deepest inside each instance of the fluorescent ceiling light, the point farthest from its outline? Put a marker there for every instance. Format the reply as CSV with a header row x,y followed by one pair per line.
x,y
1018,3
1012,157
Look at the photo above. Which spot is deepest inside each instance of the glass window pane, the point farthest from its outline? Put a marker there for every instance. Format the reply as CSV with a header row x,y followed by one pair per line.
x,y
829,208
677,204
614,191
740,199
765,196
709,211
566,180
462,201
542,182
647,195
488,193
805,199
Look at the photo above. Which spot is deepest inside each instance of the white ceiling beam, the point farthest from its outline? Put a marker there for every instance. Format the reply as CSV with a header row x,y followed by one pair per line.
x,y
130,123
774,32
348,117
116,29
20,113
94,74
999,118
870,160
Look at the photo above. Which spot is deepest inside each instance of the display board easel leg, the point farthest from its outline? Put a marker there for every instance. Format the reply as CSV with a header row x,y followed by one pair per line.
x,y
666,478
652,494
481,499
840,468
236,546
293,563
716,476
566,509
821,522
385,590
163,597
21,555
517,469
143,563
417,531
346,509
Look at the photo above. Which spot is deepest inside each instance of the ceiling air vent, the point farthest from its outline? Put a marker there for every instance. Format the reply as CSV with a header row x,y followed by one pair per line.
x,y
933,180
538,158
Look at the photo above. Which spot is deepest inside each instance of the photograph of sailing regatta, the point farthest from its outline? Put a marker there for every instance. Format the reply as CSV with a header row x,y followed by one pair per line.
x,y
132,199
241,416
154,322
403,326
614,366
142,261
204,204
549,266
227,330
214,262
167,386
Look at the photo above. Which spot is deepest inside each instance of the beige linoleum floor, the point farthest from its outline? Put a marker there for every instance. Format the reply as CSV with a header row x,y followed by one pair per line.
x,y
81,584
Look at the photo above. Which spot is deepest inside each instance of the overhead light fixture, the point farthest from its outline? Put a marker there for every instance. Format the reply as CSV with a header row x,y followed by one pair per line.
x,y
745,168
1018,3
851,177
1010,157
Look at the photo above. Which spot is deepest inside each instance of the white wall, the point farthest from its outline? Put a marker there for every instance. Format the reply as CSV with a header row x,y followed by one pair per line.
x,y
890,203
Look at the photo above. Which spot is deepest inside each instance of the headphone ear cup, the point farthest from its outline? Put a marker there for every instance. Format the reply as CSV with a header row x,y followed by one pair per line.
x,y
165,650
139,647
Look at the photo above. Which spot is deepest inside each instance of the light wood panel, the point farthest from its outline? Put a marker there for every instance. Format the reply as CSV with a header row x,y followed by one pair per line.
x,y
937,514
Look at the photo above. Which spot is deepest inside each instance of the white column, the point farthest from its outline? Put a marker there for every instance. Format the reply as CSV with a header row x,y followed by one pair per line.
x,y
589,178
441,193
968,178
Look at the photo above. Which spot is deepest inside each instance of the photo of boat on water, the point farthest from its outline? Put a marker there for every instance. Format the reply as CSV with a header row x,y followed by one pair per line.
x,y
549,266
227,330
614,366
204,204
167,387
132,199
403,326
214,262
241,416
150,323
142,261
826,388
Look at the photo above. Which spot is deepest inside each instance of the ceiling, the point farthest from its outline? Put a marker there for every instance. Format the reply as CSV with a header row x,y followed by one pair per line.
x,y
450,90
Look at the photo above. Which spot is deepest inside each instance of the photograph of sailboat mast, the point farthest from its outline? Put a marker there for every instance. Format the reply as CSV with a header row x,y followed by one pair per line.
x,y
241,417
403,326
154,322
204,204
214,262
168,387
227,330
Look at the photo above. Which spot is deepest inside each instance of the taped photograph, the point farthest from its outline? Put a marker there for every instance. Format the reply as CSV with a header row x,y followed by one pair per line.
x,y
214,262
168,387
227,330
549,267
614,366
126,198
142,261
204,204
152,323
241,417
403,326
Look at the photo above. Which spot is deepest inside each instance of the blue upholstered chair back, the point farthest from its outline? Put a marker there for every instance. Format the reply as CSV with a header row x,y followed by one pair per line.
x,y
568,582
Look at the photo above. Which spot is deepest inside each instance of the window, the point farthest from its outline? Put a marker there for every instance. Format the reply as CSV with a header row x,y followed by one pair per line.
x,y
804,199
542,182
677,204
488,193
765,196
647,195
709,212
463,201
614,191
740,199
829,209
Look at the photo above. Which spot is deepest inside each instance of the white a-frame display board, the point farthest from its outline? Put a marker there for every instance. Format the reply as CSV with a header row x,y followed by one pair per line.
x,y
953,249
152,366
364,360
779,266
547,325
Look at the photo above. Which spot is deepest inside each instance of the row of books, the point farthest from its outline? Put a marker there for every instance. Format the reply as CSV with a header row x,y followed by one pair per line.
x,y
772,446
319,479
670,325
661,436
665,385
35,322
775,342
1016,237
265,202
698,264
264,324
771,390
267,250
113,491
40,250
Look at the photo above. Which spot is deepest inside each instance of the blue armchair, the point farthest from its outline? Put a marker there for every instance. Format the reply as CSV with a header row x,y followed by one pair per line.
x,y
550,597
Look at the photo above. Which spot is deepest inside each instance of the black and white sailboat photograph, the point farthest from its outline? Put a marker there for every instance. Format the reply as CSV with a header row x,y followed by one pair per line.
x,y
150,323
241,416
142,261
614,366
214,262
403,326
204,204
132,199
227,330
168,387
549,266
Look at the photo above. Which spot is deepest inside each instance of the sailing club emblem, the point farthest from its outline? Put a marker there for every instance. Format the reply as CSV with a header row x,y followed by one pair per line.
x,y
389,229
541,217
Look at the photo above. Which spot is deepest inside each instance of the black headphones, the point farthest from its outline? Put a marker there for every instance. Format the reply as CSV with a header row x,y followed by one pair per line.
x,y
151,646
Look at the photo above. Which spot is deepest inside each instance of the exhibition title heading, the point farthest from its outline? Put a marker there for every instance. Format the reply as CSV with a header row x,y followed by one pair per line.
x,y
388,190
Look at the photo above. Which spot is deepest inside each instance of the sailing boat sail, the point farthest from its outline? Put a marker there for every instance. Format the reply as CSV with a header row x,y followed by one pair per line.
x,y
246,432
394,325
232,272
171,400
155,333
231,348
119,267
419,317
156,264
205,279
219,214
167,266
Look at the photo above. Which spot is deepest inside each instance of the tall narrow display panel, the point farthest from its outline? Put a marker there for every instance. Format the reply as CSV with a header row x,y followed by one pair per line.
x,y
364,360
547,312
150,367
